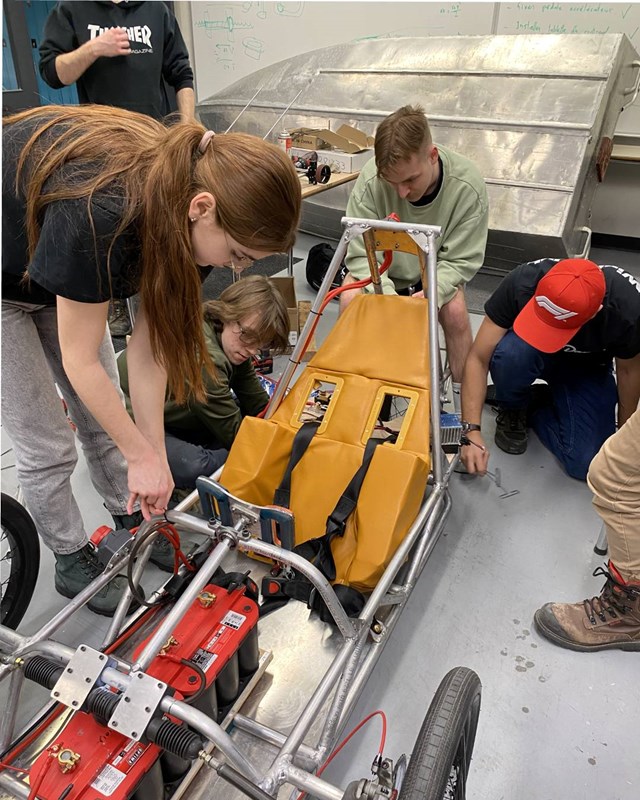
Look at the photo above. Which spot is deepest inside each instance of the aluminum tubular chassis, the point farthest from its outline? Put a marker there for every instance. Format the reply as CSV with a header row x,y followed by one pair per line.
x,y
274,757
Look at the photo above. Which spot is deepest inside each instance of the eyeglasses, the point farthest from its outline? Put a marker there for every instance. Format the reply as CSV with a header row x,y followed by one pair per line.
x,y
250,337
246,335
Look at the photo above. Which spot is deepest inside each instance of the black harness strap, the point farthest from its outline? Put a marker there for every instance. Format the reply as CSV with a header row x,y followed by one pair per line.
x,y
302,439
318,551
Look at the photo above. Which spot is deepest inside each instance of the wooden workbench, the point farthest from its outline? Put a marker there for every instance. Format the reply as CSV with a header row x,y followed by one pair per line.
x,y
336,179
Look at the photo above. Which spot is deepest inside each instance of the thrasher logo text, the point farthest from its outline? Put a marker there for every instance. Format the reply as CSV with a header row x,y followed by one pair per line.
x,y
139,33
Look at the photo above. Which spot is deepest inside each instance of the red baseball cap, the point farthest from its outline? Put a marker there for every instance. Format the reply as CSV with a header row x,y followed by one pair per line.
x,y
569,295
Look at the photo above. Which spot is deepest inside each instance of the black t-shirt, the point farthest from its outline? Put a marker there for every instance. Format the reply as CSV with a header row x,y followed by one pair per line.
x,y
76,256
614,332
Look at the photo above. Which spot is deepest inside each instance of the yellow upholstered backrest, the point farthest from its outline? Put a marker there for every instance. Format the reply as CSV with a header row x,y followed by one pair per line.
x,y
379,346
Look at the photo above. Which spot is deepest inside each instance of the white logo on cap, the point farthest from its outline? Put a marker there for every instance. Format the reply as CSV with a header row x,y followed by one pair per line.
x,y
556,311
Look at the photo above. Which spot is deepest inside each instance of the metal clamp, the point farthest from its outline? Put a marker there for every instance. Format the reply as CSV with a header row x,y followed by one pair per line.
x,y
587,245
79,677
137,706
632,90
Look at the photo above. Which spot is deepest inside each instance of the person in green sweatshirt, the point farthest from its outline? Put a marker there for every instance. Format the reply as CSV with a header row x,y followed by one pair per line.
x,y
427,184
250,315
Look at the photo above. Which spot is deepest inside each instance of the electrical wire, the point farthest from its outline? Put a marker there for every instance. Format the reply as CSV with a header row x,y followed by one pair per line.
x,y
347,739
170,533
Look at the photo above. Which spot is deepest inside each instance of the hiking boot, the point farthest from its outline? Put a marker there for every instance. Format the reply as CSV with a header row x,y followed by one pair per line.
x,y
511,430
75,571
119,322
163,554
606,622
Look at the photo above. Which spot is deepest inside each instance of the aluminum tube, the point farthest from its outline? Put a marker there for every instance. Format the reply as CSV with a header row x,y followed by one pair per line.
x,y
292,365
317,700
306,568
313,785
427,545
375,651
8,720
123,606
377,595
329,729
213,732
15,787
391,225
202,577
78,601
10,638
276,738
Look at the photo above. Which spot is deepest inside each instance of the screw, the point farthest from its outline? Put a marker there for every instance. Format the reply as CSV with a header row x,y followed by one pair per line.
x,y
87,680
100,658
191,679
83,649
114,724
147,709
127,699
69,670
134,734
74,703
56,694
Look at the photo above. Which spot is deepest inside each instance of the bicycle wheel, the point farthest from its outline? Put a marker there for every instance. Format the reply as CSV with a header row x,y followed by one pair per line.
x,y
19,559
440,760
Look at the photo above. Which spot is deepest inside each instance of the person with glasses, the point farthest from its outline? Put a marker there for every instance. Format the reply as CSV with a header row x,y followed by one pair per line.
x,y
102,203
249,316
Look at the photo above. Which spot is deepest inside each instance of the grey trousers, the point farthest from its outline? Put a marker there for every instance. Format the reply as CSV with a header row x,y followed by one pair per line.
x,y
43,441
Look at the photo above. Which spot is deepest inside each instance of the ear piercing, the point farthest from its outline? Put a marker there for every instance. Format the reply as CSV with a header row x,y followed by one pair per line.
x,y
192,219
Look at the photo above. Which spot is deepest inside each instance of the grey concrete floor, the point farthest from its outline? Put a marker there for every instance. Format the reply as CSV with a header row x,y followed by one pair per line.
x,y
554,724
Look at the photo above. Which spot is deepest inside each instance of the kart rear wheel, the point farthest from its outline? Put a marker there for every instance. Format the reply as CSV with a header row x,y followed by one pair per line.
x,y
19,561
441,756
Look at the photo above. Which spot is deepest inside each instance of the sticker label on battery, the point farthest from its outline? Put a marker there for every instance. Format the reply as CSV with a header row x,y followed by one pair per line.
x,y
204,659
107,780
234,620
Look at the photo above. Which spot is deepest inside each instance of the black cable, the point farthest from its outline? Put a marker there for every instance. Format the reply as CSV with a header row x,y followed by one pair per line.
x,y
203,680
139,541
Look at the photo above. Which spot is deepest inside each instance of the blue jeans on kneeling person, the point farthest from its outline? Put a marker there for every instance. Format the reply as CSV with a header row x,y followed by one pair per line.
x,y
580,415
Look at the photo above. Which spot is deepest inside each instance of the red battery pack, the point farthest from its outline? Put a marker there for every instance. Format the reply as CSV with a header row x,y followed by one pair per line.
x,y
89,761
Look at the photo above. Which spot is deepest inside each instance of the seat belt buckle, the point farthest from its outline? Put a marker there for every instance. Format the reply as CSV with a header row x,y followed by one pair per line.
x,y
338,526
273,586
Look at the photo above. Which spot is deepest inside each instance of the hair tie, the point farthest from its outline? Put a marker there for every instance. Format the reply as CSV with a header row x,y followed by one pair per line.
x,y
207,136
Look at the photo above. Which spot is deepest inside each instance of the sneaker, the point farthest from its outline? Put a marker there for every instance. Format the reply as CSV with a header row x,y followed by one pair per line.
x,y
75,571
606,622
162,554
511,430
119,322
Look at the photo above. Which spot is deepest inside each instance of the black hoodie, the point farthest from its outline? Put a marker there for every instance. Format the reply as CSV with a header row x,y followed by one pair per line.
x,y
133,81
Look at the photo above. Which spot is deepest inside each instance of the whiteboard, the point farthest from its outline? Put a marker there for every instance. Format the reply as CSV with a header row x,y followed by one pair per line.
x,y
577,18
233,39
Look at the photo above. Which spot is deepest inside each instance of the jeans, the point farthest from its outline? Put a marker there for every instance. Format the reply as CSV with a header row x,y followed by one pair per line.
x,y
43,441
614,479
189,460
581,414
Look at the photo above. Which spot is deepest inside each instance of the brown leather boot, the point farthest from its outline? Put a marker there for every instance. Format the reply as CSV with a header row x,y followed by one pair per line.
x,y
610,621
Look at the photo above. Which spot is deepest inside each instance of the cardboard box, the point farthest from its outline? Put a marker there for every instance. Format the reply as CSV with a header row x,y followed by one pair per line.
x,y
344,150
339,162
298,311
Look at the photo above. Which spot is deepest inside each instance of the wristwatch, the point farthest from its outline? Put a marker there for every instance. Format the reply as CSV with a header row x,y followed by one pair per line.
x,y
469,426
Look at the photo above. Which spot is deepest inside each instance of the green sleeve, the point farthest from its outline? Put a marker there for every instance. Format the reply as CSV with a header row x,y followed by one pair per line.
x,y
461,254
219,414
362,204
248,389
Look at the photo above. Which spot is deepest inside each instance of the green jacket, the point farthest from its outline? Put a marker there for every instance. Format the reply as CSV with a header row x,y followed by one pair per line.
x,y
461,209
220,415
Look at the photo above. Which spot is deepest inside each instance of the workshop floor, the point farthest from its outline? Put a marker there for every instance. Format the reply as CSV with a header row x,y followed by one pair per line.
x,y
554,724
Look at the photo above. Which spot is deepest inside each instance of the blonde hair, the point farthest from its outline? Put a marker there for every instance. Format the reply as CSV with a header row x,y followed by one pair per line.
x,y
158,170
400,136
254,294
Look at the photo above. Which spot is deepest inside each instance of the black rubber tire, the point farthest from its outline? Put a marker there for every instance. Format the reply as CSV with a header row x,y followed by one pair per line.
x,y
444,745
20,561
